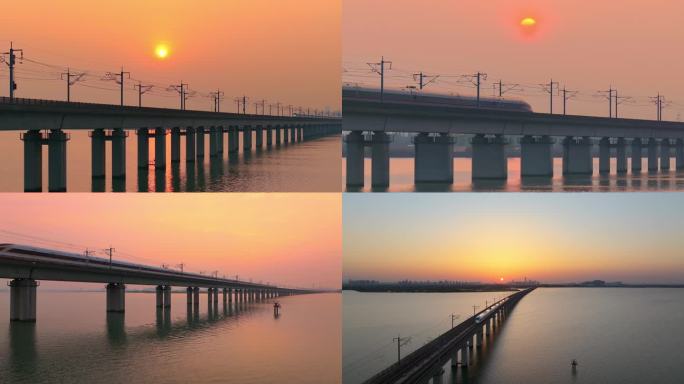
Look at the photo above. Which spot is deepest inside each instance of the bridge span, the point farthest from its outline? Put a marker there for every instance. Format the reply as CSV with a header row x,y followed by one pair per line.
x,y
425,364
369,122
27,265
113,123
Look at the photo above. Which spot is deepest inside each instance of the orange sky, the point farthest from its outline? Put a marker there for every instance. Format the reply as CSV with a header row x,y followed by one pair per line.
x,y
631,237
587,45
279,50
285,238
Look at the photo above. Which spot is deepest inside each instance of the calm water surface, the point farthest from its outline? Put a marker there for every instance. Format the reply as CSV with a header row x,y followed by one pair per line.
x,y
309,166
402,179
618,335
75,341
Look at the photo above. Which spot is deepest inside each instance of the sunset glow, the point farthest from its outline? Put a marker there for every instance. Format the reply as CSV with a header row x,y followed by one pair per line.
x,y
480,237
206,43
161,51
528,22
290,239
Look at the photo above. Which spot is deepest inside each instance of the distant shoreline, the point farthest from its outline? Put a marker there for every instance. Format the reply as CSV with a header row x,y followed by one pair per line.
x,y
437,289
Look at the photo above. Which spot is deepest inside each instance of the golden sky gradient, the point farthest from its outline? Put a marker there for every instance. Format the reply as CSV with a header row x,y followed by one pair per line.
x,y
280,50
292,239
484,237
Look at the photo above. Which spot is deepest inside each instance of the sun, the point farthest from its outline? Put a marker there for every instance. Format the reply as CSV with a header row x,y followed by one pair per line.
x,y
528,22
501,279
161,51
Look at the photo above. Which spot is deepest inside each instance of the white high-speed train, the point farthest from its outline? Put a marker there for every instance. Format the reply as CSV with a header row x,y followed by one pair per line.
x,y
434,99
479,318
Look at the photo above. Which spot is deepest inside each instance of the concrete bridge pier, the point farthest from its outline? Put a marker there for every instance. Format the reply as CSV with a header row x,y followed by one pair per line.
x,y
190,145
536,157
621,154
196,297
286,134
489,158
57,160
380,160
175,144
232,139
301,134
577,158
454,359
488,327
247,138
119,153
293,134
213,142
160,148
434,161
636,155
190,292
23,300
478,338
167,296
604,156
465,361
99,155
652,155
210,292
159,291
33,161
679,154
355,158
665,155
259,137
277,135
269,136
116,297
199,153
143,148
215,297
220,138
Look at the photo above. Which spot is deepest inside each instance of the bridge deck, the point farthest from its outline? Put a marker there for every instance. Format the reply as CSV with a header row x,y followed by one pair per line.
x,y
18,261
373,115
24,114
418,366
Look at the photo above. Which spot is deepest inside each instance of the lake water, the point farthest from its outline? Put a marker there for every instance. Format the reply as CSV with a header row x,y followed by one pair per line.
x,y
617,335
75,341
402,179
309,166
